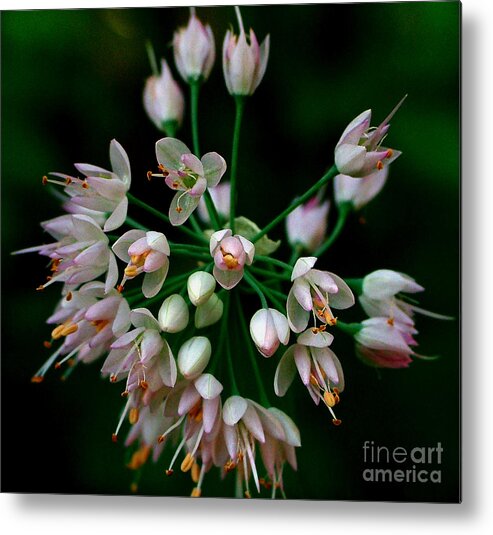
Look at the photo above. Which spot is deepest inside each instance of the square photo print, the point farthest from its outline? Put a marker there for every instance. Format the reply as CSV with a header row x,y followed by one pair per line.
x,y
231,251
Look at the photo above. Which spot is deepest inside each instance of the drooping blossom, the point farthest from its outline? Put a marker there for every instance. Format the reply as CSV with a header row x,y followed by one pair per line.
x,y
318,366
359,191
187,175
142,356
221,196
244,60
383,294
306,226
195,407
276,452
194,50
315,292
145,252
163,99
245,423
100,190
268,329
230,254
81,252
145,431
385,343
358,153
87,320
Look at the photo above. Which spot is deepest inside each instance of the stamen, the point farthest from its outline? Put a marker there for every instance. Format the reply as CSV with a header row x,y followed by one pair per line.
x,y
329,399
69,296
379,165
195,472
337,422
196,493
44,180
390,153
133,417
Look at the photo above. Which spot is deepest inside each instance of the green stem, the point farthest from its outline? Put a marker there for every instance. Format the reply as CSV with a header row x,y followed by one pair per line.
x,y
344,210
234,387
252,354
135,224
295,254
332,172
349,328
152,58
266,273
275,262
195,224
156,213
271,296
355,284
183,251
252,282
240,106
194,97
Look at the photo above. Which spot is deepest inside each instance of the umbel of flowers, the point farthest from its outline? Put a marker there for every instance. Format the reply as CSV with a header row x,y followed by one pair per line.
x,y
171,336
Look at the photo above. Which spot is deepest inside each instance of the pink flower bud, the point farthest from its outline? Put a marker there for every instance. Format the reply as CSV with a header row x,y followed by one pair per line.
x,y
306,226
244,61
194,49
163,99
268,329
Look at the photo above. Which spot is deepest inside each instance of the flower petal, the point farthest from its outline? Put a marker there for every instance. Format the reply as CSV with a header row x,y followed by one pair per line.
x,y
214,168
120,163
227,279
169,152
182,207
297,316
117,218
208,386
285,372
302,266
153,282
234,409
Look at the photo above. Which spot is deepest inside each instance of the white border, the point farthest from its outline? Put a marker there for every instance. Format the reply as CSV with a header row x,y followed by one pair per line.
x,y
82,514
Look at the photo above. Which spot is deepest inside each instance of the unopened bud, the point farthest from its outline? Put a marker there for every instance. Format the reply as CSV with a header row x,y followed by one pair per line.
x,y
173,314
194,356
209,313
200,286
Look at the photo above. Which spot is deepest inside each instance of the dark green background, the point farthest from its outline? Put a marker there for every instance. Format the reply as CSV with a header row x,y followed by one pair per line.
x,y
72,81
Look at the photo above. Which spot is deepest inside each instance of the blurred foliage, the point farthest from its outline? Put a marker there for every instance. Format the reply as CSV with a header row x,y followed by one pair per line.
x,y
72,80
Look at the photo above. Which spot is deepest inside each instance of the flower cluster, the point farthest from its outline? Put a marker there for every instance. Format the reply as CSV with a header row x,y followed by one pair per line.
x,y
175,337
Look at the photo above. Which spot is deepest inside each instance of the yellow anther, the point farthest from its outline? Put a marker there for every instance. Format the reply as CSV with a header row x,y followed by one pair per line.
x,y
196,493
329,399
187,463
379,165
195,472
390,322
37,379
247,494
133,416
131,271
390,153
99,324
230,261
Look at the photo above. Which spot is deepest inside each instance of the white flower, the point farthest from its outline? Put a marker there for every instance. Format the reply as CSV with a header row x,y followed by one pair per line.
x,y
200,287
80,253
315,292
145,252
100,191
